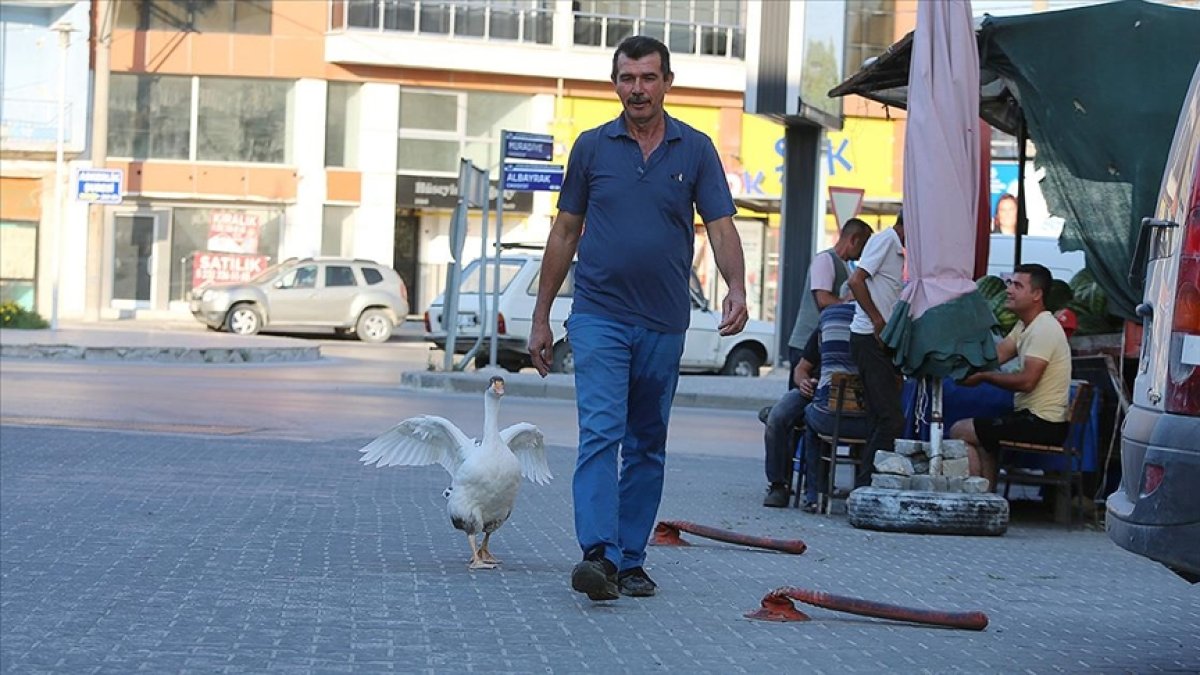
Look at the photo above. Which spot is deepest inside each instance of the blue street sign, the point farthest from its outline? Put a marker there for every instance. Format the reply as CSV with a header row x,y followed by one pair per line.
x,y
99,186
542,177
528,146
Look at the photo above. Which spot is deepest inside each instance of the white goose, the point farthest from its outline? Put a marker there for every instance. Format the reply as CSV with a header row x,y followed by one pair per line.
x,y
486,473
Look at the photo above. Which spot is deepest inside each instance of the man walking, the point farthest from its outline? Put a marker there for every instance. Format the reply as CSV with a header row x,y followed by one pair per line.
x,y
638,180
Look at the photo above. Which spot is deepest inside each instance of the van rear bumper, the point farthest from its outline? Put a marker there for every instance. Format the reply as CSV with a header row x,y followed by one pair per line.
x,y
1163,525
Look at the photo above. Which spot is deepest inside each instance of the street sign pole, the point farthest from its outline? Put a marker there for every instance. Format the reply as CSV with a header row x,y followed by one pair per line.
x,y
494,315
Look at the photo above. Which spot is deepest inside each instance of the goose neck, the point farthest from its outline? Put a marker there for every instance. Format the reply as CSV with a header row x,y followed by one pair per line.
x,y
491,419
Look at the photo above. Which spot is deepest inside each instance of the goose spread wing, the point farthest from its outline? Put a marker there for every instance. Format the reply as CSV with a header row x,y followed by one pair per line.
x,y
526,442
418,441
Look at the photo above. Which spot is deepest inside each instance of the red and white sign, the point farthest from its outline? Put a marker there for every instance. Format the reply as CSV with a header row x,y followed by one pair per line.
x,y
234,232
220,268
845,202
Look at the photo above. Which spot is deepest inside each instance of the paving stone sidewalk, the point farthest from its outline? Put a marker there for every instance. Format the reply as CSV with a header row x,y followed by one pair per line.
x,y
122,552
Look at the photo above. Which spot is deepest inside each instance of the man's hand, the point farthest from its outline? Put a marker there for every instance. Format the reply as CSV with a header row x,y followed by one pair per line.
x,y
807,387
879,325
974,379
733,313
541,346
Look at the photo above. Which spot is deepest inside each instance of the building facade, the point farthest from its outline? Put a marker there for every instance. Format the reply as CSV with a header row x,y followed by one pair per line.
x,y
253,131
44,86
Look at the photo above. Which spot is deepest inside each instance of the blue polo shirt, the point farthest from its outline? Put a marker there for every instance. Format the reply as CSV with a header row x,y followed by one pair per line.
x,y
635,255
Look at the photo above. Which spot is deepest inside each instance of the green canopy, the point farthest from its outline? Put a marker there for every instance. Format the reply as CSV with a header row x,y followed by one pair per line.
x,y
1099,89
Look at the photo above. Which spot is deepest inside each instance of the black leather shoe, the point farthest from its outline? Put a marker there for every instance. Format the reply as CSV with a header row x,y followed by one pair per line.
x,y
764,413
596,577
637,584
777,496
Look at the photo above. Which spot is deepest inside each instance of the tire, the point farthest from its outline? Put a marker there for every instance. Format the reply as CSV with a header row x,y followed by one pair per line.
x,y
511,364
243,319
563,360
373,326
928,512
742,362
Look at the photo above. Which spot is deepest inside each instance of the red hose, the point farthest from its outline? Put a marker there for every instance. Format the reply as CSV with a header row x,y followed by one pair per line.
x,y
666,533
777,606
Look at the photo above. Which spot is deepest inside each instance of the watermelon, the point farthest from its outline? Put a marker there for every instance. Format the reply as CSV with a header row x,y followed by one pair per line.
x,y
994,291
1091,305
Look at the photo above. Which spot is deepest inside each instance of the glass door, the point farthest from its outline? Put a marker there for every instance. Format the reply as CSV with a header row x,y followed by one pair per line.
x,y
133,247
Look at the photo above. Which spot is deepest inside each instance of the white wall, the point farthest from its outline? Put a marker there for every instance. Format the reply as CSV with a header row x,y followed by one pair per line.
x,y
302,233
379,122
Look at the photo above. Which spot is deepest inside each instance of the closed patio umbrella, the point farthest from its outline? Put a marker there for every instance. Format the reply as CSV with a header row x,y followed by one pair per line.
x,y
941,326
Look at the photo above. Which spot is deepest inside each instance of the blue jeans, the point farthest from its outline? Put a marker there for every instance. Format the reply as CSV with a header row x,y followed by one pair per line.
x,y
818,421
780,443
625,378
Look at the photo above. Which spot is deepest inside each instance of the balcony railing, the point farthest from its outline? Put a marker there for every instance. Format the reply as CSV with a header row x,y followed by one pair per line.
x,y
706,39
530,21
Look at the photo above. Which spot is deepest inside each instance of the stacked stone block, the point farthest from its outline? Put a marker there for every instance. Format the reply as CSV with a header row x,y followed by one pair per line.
x,y
908,469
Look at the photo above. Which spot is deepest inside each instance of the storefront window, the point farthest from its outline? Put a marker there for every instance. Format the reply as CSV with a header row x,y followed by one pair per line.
x,y
241,241
18,262
418,154
427,110
149,116
243,120
341,125
433,142
337,231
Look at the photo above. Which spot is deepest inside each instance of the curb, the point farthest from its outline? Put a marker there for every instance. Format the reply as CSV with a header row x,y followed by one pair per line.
x,y
63,352
563,388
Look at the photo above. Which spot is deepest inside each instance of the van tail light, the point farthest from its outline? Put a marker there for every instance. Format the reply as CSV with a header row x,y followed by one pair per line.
x,y
1183,364
428,323
501,327
404,291
1152,477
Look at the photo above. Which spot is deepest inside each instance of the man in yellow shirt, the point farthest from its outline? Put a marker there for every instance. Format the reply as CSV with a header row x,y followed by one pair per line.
x,y
1042,381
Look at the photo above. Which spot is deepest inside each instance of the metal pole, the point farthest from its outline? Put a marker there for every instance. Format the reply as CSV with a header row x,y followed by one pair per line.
x,y
494,315
64,42
935,429
1022,216
106,10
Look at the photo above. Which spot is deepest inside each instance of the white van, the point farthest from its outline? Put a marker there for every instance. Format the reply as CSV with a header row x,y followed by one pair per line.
x,y
1156,510
1034,249
704,349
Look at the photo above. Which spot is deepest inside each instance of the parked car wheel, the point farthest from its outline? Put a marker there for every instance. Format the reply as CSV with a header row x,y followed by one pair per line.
x,y
742,362
373,326
511,364
243,319
563,360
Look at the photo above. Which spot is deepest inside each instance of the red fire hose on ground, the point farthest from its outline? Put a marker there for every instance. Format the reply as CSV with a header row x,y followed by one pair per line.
x,y
666,533
777,606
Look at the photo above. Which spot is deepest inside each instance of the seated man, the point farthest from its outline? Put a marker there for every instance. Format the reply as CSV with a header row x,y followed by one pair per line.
x,y
834,331
782,417
1042,381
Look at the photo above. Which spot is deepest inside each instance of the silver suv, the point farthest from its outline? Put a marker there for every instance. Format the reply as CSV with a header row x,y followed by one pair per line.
x,y
357,297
